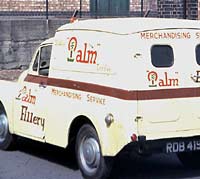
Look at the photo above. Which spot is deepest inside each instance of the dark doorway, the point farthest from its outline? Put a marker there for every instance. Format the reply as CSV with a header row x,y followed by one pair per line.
x,y
109,7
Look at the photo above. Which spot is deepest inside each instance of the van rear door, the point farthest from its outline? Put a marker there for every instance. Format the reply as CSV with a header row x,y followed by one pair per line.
x,y
168,98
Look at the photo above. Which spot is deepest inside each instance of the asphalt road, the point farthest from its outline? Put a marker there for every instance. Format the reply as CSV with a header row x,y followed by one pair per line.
x,y
34,160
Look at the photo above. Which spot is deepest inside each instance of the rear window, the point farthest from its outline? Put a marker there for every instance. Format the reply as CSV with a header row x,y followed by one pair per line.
x,y
197,51
162,56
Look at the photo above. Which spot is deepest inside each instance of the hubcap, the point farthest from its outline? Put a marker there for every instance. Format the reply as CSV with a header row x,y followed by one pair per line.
x,y
3,127
90,154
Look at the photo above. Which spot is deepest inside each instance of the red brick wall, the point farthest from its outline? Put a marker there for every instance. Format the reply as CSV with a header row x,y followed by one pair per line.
x,y
135,5
199,9
64,5
39,5
192,9
176,9
165,8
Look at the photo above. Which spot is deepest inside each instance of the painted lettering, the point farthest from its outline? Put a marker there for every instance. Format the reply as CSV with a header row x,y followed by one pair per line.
x,y
166,81
72,47
85,55
67,94
196,78
95,99
103,68
29,117
173,82
79,56
92,56
23,113
152,78
29,98
163,81
197,35
26,96
165,35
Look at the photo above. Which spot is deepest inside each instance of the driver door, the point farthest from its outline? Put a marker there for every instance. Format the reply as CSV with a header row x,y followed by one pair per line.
x,y
30,104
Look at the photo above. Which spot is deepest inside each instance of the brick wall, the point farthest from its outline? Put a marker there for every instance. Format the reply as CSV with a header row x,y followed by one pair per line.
x,y
192,12
199,9
176,9
135,5
39,5
67,5
163,8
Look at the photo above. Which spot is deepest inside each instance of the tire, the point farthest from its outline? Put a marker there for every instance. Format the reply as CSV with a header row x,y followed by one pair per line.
x,y
89,157
190,159
6,139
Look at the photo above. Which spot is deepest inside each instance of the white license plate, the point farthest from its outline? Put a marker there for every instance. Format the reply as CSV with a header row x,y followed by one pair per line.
x,y
182,146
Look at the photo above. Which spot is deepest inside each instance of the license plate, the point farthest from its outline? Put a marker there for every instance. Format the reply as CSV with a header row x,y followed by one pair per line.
x,y
182,146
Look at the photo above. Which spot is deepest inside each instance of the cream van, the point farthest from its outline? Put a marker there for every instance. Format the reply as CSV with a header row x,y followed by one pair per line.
x,y
107,85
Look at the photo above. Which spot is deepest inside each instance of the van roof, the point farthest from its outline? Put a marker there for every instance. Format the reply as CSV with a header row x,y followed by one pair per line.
x,y
125,26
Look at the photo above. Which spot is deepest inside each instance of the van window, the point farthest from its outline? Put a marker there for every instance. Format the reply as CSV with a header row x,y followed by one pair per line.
x,y
162,56
35,64
197,50
45,55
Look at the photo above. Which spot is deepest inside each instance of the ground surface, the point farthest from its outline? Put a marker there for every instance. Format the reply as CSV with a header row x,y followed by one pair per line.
x,y
34,160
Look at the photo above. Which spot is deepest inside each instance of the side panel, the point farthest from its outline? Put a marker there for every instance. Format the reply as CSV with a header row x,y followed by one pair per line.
x,y
88,81
72,103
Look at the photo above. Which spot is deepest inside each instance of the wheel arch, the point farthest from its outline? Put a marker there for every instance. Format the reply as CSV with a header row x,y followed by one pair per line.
x,y
106,135
7,110
75,126
2,108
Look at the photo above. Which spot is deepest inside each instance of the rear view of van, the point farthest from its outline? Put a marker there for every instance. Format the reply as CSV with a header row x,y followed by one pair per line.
x,y
140,79
102,86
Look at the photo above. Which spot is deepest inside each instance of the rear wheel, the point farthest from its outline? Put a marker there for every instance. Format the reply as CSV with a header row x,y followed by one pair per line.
x,y
6,139
89,157
190,159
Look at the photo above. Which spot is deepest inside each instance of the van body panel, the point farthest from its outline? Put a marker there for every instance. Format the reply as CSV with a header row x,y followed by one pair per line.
x,y
169,97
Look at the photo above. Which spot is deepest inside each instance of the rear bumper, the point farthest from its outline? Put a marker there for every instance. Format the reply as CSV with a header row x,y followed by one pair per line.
x,y
172,145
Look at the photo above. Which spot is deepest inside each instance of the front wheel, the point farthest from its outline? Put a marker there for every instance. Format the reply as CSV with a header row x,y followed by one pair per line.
x,y
89,157
6,139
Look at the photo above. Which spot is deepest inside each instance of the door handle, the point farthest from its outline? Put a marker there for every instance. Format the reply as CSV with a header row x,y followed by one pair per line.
x,y
42,85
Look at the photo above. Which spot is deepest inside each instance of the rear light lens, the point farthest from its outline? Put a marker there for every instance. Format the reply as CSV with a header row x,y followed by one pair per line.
x,y
134,137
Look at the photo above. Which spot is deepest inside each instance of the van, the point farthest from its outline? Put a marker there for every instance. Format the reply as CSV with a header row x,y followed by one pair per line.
x,y
103,86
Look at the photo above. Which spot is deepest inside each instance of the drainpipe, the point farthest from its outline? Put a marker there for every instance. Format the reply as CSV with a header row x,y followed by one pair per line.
x,y
184,9
80,8
96,8
47,10
142,8
47,18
